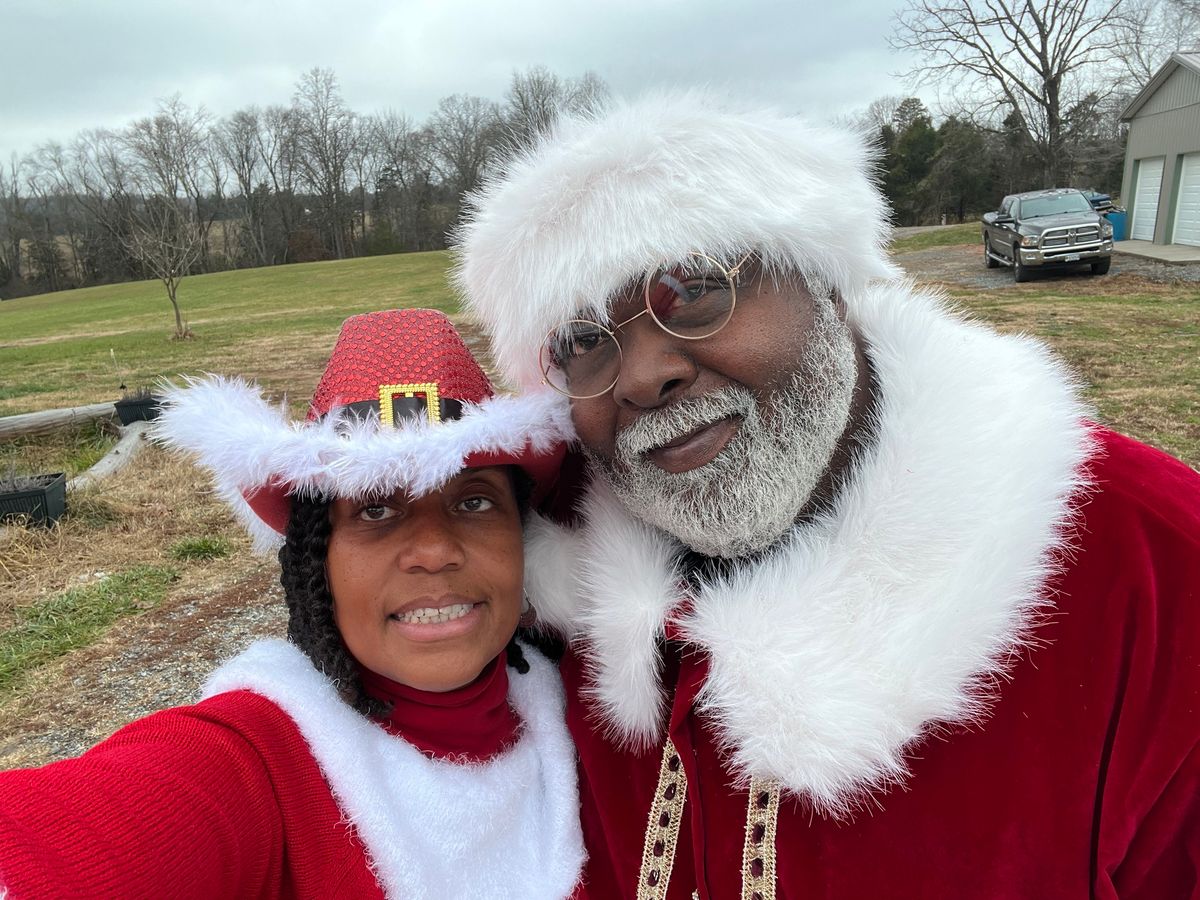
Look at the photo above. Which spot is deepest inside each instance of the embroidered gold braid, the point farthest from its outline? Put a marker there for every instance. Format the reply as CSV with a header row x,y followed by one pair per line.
x,y
662,828
758,853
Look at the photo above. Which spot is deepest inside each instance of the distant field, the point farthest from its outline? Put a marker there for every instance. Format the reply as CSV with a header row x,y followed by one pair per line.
x,y
966,233
274,324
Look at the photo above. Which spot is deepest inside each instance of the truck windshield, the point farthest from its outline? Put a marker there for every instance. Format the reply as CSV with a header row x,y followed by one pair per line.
x,y
1035,207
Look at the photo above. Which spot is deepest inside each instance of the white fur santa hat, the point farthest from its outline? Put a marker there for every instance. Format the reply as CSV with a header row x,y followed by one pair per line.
x,y
601,201
402,405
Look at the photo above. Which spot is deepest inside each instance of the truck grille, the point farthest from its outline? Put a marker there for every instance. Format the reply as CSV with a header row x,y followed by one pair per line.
x,y
1070,239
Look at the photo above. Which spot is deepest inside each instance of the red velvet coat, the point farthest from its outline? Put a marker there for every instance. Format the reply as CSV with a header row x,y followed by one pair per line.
x,y
1084,780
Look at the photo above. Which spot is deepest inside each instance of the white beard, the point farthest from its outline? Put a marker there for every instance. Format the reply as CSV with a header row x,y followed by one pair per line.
x,y
749,496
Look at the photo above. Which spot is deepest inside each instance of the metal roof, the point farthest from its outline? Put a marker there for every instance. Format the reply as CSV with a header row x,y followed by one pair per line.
x,y
1188,58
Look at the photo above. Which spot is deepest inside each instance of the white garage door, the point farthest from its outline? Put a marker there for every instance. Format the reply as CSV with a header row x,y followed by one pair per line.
x,y
1187,209
1145,200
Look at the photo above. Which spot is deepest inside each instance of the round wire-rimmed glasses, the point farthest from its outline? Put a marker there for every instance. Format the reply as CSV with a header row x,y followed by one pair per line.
x,y
691,301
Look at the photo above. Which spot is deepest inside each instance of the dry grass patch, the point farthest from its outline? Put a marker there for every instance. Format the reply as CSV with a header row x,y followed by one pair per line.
x,y
1135,344
132,519
69,450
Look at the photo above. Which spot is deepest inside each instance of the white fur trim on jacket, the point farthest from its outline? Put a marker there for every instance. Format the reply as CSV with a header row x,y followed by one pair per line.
x,y
244,441
504,828
889,618
599,202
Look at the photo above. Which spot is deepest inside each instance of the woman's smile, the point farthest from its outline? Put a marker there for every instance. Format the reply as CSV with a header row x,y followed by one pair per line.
x,y
449,616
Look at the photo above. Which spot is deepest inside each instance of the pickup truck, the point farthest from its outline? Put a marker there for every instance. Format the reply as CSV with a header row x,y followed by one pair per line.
x,y
1040,229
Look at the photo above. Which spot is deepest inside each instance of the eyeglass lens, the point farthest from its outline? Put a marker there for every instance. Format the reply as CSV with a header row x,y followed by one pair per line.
x,y
692,300
581,358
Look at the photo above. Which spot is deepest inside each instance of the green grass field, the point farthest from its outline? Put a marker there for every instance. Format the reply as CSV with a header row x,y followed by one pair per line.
x,y
59,349
966,233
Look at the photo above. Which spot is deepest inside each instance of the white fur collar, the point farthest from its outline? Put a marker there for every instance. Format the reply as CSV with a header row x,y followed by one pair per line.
x,y
508,827
888,618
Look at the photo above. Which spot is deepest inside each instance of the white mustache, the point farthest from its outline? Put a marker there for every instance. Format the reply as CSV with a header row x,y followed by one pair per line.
x,y
661,426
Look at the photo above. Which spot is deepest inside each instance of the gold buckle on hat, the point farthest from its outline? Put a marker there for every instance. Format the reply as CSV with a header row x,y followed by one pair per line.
x,y
389,392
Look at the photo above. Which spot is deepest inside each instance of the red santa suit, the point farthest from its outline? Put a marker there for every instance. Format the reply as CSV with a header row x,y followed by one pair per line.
x,y
977,676
272,786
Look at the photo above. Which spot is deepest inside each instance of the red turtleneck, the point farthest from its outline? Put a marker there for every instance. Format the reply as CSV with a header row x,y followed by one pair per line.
x,y
473,722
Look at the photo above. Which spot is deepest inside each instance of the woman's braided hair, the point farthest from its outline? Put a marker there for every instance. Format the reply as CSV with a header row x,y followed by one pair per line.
x,y
311,625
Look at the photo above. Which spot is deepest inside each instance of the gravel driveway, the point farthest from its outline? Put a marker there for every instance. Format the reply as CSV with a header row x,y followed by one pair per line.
x,y
962,265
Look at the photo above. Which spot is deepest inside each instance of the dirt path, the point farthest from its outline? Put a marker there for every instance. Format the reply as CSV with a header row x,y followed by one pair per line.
x,y
144,664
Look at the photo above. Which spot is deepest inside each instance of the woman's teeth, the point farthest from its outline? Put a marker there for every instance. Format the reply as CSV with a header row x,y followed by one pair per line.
x,y
431,616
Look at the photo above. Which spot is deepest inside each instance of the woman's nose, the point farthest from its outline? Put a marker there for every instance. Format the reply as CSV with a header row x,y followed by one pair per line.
x,y
430,543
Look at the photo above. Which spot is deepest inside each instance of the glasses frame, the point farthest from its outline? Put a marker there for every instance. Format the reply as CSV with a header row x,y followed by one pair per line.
x,y
731,274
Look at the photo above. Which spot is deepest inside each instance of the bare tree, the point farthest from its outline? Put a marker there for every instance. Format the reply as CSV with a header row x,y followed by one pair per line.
x,y
134,183
405,187
531,105
325,134
278,148
14,226
167,239
363,163
238,140
1153,30
879,114
168,154
537,97
465,132
48,181
1032,57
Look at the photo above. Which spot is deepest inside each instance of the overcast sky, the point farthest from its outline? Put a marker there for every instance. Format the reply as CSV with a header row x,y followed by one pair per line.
x,y
66,65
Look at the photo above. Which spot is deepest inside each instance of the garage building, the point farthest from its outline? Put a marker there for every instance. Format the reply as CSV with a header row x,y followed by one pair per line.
x,y
1161,184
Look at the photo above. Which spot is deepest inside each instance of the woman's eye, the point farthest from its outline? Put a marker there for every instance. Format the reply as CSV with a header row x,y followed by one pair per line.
x,y
476,504
376,513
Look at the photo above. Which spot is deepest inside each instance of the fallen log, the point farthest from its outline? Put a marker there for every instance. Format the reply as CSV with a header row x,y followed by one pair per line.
x,y
53,419
133,439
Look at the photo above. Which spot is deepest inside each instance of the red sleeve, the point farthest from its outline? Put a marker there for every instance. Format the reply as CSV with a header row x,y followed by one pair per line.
x,y
1143,537
178,804
1164,857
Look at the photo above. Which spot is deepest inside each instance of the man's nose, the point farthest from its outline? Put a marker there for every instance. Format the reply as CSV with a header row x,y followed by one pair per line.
x,y
655,366
430,543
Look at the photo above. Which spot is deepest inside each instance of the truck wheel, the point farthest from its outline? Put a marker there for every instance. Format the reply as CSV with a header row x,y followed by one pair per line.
x,y
1100,266
1020,273
987,257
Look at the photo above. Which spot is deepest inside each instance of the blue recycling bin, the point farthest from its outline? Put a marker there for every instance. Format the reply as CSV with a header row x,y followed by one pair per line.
x,y
1118,218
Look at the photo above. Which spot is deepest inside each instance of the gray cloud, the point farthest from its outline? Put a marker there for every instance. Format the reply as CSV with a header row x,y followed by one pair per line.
x,y
67,66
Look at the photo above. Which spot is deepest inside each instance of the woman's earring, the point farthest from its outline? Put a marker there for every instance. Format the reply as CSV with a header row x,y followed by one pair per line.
x,y
528,614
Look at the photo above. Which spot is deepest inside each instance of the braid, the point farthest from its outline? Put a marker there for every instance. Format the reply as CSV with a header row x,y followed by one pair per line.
x,y
311,625
516,657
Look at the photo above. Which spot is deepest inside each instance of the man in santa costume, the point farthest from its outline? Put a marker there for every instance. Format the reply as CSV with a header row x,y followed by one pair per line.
x,y
859,600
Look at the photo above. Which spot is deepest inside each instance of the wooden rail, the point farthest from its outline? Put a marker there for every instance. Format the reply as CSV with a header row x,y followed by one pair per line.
x,y
53,419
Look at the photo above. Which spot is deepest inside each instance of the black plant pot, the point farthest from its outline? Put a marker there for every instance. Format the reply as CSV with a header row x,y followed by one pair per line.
x,y
141,409
40,499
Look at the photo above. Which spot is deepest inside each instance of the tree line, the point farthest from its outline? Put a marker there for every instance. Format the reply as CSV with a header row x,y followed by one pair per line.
x,y
1030,96
182,192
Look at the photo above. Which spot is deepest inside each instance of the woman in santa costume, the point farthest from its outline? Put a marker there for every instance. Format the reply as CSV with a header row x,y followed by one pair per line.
x,y
402,744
